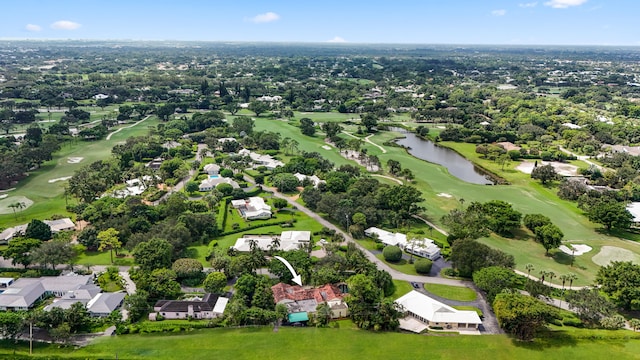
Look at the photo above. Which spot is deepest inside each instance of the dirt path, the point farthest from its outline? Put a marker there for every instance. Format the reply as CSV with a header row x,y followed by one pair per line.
x,y
126,127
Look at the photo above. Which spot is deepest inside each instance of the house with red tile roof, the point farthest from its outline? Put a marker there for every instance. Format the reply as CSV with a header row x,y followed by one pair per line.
x,y
299,299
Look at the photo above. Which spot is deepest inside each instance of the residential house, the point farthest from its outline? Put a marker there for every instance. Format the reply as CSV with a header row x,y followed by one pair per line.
x,y
5,282
301,300
313,179
288,240
98,304
261,160
433,313
212,182
634,209
424,247
252,208
208,307
25,292
64,224
212,169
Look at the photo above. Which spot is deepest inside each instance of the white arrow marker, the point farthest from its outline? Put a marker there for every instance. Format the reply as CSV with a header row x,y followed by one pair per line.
x,y
296,278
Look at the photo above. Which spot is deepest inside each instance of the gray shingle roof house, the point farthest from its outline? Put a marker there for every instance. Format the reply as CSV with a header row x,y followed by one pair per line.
x,y
209,307
105,303
98,304
56,226
24,292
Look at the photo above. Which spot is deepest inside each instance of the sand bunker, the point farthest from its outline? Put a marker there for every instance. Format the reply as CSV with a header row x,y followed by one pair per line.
x,y
612,253
64,178
561,168
74,160
326,147
3,196
4,204
445,195
578,249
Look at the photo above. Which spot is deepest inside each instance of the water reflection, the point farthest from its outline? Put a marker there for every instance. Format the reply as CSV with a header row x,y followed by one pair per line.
x,y
457,165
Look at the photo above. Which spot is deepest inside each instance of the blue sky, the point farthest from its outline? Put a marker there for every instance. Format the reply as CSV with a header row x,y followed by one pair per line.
x,y
553,22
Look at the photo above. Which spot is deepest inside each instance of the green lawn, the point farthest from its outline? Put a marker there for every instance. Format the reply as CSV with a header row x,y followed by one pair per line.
x,y
402,265
459,293
307,143
342,343
402,287
48,197
104,258
472,308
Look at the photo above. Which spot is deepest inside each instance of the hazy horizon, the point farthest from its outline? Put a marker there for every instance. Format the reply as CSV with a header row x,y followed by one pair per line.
x,y
491,22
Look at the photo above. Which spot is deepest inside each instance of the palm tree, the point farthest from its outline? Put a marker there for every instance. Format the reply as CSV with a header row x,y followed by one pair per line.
x,y
551,275
528,267
543,273
635,324
275,244
284,143
14,206
293,146
564,279
571,278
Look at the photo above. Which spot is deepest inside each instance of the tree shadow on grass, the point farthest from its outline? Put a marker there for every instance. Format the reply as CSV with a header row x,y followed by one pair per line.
x,y
546,340
564,259
628,234
521,234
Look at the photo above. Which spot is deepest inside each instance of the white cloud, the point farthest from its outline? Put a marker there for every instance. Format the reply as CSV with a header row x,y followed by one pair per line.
x,y
563,4
33,27
265,18
65,25
500,12
528,5
337,39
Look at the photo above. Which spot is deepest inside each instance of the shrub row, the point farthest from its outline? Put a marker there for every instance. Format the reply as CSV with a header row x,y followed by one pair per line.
x,y
257,226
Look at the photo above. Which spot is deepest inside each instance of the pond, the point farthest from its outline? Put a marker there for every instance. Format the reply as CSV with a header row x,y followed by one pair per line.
x,y
457,165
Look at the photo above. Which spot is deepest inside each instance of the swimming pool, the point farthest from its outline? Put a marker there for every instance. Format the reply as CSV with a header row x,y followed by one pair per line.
x,y
214,176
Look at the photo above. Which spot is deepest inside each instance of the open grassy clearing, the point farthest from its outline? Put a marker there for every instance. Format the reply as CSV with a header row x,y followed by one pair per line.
x,y
402,288
459,293
343,343
48,197
307,143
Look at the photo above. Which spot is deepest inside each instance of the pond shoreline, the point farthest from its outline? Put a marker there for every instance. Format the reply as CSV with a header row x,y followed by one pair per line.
x,y
479,170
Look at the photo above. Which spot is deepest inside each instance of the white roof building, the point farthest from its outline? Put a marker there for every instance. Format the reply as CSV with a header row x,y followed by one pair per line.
x,y
210,183
634,209
64,224
252,208
289,240
313,179
212,169
436,314
261,160
421,247
572,126
24,292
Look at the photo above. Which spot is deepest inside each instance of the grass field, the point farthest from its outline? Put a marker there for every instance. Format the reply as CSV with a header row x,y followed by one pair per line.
x,y
459,293
48,197
342,343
